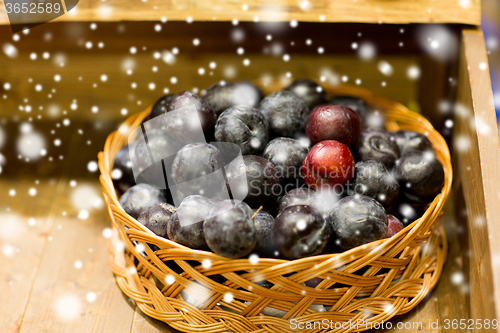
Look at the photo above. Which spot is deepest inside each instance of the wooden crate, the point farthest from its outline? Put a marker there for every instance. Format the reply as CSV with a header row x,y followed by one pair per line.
x,y
463,79
365,11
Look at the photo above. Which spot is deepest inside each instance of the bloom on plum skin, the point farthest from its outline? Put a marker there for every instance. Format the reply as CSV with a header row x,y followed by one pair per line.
x,y
327,164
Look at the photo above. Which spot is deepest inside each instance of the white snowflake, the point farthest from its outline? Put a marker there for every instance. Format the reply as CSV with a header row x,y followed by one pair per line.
x,y
83,214
92,166
228,297
438,41
8,250
85,197
169,279
413,72
255,143
238,35
68,307
254,259
301,224
305,5
457,278
385,68
367,51
206,263
492,43
462,143
29,145
10,50
107,232
91,297
465,3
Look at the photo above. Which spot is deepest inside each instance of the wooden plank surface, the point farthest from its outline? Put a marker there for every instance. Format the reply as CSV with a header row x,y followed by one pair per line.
x,y
367,11
477,150
27,214
74,290
22,240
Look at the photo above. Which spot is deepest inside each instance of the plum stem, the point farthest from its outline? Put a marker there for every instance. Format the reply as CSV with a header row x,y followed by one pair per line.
x,y
257,211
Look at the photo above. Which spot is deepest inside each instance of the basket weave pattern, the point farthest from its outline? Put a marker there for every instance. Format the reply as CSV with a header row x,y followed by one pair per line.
x,y
370,283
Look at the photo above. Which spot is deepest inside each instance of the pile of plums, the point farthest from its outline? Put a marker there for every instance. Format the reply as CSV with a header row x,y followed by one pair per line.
x,y
320,175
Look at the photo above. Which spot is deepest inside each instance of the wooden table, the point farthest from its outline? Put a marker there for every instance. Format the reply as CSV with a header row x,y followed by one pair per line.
x,y
55,275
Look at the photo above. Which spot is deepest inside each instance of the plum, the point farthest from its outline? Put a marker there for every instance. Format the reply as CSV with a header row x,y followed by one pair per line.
x,y
378,144
160,107
357,104
333,122
148,155
357,220
300,231
407,211
321,201
372,179
287,156
327,164
409,141
192,166
230,231
186,224
287,112
311,92
245,126
420,176
262,181
264,223
123,174
157,218
139,197
298,196
192,116
393,225
223,95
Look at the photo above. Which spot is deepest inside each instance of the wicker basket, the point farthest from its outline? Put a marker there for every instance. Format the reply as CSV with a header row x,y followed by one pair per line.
x,y
358,288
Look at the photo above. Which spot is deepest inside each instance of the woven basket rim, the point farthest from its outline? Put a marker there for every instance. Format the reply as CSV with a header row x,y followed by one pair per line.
x,y
376,248
414,258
